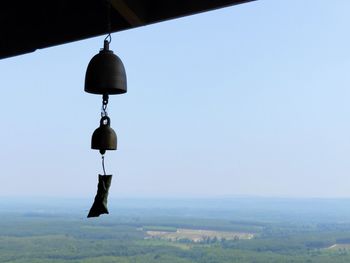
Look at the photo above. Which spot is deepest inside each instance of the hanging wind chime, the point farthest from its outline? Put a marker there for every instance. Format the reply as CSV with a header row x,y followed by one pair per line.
x,y
105,75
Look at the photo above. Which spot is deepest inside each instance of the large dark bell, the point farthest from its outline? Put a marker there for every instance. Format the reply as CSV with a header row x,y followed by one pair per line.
x,y
105,73
104,137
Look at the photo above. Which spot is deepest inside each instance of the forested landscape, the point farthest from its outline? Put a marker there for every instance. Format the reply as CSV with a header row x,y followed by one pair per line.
x,y
206,231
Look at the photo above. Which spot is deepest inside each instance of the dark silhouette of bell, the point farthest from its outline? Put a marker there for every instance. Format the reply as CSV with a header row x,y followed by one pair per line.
x,y
105,73
104,137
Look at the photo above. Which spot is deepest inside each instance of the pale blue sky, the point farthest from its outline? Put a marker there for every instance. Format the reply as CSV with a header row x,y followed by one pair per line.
x,y
247,100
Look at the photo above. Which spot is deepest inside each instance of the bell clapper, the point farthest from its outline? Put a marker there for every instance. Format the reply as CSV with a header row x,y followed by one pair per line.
x,y
103,165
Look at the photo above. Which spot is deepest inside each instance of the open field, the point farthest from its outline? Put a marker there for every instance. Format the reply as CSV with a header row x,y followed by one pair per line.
x,y
242,231
339,247
196,235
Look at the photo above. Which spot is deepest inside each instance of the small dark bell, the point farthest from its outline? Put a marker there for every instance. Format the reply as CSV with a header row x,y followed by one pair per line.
x,y
104,137
105,73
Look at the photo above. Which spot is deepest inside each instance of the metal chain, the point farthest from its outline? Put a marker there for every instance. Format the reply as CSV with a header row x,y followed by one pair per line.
x,y
104,105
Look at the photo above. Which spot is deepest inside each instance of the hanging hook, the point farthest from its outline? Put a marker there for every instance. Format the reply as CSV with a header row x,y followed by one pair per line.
x,y
108,38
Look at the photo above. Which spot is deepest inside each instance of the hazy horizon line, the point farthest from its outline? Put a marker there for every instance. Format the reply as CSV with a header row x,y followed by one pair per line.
x,y
174,197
